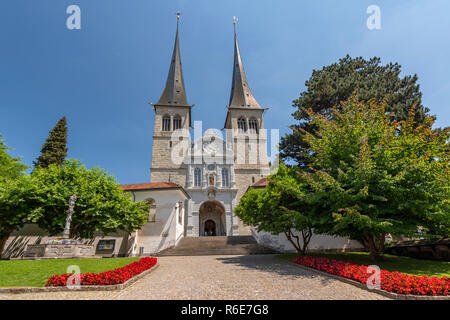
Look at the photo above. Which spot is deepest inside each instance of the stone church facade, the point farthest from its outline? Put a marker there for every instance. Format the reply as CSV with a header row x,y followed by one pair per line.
x,y
214,170
217,168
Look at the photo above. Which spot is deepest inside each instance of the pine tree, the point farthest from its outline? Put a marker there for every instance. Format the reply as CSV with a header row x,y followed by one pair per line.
x,y
54,149
335,83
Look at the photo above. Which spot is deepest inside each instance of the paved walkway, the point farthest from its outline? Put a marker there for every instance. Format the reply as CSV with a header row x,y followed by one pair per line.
x,y
222,277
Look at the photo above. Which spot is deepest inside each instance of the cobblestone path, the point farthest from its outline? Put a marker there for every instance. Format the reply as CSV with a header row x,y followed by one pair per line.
x,y
222,277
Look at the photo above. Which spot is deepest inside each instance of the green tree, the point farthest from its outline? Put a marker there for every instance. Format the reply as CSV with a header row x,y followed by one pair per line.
x,y
14,207
54,149
336,83
101,204
279,208
12,172
10,167
371,175
43,198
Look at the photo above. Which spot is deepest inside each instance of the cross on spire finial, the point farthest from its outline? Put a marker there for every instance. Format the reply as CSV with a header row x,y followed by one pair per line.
x,y
235,20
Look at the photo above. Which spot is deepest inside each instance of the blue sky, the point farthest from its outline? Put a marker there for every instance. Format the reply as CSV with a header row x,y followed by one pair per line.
x,y
103,76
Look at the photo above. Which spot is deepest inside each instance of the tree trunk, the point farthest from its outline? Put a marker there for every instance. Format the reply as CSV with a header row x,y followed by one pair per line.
x,y
3,240
375,245
290,236
306,235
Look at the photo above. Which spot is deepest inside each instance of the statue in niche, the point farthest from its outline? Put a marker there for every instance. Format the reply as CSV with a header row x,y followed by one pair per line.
x,y
211,194
211,179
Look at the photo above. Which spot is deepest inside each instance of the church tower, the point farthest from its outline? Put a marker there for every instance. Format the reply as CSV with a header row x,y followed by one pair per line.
x,y
245,129
172,123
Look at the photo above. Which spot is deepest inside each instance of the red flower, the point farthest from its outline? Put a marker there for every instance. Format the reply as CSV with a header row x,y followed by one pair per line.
x,y
390,281
116,276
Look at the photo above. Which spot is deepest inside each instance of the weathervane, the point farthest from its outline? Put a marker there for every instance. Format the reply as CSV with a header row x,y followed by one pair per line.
x,y
178,14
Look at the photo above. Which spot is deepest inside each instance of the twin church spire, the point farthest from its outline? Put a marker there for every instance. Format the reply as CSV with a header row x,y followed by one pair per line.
x,y
175,94
241,96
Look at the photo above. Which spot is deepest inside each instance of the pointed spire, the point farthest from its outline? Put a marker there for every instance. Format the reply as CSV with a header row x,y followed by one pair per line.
x,y
241,96
174,92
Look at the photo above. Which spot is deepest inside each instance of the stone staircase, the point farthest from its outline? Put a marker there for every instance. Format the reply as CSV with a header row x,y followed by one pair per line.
x,y
202,246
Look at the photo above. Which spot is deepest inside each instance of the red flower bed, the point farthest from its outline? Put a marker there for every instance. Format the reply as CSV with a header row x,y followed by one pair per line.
x,y
390,281
116,276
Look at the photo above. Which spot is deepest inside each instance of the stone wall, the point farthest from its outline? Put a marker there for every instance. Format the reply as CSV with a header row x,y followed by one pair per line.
x,y
31,234
153,237
422,249
177,176
250,153
318,242
169,147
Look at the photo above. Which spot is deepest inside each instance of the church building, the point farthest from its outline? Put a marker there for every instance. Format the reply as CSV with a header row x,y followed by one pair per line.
x,y
213,170
195,184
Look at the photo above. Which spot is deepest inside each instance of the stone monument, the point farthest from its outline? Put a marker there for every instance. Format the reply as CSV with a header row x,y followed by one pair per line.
x,y
62,248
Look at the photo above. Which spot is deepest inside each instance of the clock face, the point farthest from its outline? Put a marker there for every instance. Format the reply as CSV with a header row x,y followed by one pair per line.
x,y
209,147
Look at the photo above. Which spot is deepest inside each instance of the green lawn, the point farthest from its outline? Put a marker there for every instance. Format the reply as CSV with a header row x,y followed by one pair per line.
x,y
389,262
34,273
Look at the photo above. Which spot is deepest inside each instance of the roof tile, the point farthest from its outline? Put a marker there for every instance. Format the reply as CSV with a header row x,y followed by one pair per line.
x,y
261,183
150,185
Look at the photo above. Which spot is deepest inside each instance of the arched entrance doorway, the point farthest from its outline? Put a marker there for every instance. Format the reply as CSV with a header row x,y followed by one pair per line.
x,y
212,219
210,228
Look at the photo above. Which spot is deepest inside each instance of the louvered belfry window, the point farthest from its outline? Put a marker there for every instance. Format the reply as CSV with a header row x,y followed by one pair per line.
x,y
242,125
253,125
166,123
177,122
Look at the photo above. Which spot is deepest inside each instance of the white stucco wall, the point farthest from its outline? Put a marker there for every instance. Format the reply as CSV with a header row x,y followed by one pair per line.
x,y
318,242
166,231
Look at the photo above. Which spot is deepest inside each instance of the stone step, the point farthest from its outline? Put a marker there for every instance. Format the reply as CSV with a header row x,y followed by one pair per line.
x,y
218,240
221,245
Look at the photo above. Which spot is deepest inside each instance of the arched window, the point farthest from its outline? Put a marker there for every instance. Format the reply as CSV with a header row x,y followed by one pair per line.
x,y
152,210
176,122
197,177
225,178
166,123
242,125
253,125
180,212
